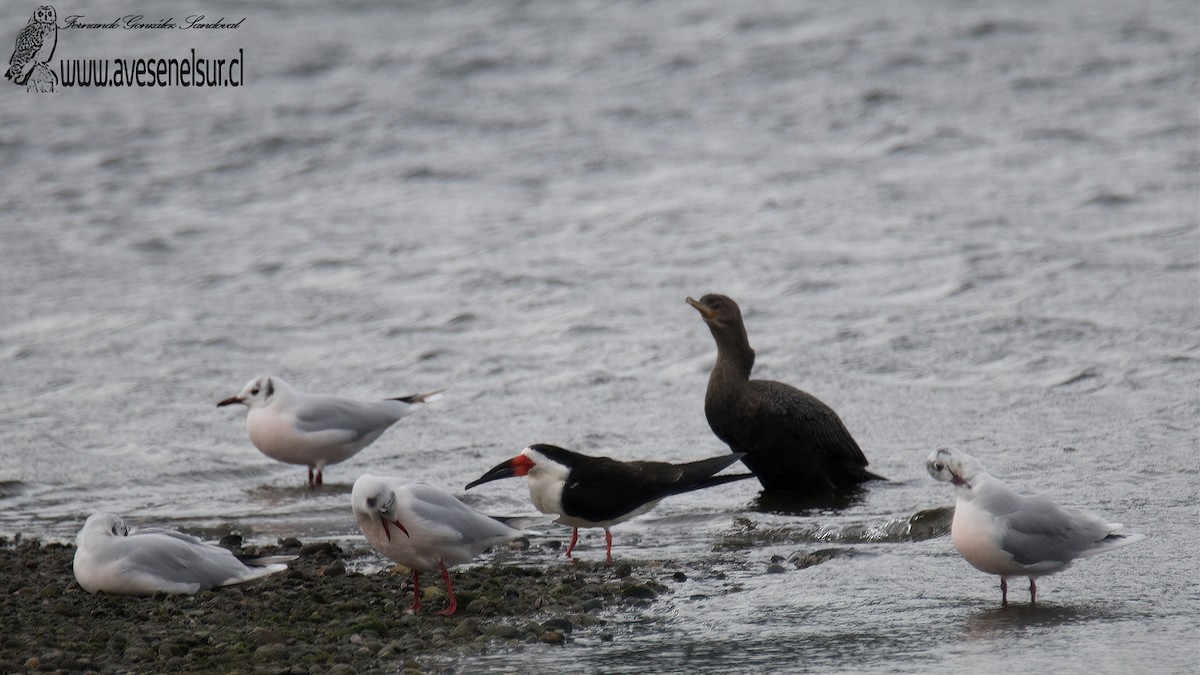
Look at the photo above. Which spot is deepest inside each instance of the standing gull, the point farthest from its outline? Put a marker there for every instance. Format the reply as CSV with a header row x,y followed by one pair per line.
x,y
113,558
585,491
315,430
425,528
1002,532
791,440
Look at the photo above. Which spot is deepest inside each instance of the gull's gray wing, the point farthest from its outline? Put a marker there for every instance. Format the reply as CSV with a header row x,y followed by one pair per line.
x,y
1041,531
315,414
164,556
457,522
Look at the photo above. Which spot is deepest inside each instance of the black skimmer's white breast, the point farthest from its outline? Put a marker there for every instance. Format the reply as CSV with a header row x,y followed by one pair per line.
x,y
586,491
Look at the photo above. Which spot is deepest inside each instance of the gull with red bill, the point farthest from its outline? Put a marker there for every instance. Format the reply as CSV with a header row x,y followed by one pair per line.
x,y
315,430
426,529
585,491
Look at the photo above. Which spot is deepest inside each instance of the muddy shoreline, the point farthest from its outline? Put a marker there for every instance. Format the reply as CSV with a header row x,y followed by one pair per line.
x,y
317,617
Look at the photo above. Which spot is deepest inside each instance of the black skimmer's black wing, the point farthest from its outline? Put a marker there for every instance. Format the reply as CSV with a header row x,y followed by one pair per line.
x,y
600,489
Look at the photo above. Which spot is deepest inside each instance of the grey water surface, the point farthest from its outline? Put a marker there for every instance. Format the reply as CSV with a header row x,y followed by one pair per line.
x,y
964,223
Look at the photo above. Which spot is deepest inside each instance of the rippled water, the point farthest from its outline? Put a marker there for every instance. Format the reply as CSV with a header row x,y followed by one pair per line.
x,y
968,224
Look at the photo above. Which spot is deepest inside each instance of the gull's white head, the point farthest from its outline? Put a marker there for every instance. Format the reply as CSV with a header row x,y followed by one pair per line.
x,y
952,466
257,392
374,499
101,525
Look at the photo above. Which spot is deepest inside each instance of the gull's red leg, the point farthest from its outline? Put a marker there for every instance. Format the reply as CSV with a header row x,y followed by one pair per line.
x,y
449,591
608,539
416,591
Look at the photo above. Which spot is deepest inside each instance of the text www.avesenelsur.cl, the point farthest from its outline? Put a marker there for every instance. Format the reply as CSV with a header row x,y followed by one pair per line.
x,y
186,72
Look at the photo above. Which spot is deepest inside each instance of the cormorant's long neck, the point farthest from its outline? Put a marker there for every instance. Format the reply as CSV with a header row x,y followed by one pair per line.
x,y
735,358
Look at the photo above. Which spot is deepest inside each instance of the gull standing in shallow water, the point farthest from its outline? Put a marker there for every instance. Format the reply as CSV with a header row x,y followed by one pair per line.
x,y
426,529
112,558
1002,532
315,430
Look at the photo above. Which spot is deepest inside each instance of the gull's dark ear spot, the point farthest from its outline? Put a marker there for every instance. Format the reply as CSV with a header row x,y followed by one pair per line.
x,y
270,388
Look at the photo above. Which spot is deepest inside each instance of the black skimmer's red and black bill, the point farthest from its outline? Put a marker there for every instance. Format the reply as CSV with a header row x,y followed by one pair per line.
x,y
792,441
426,529
315,430
585,491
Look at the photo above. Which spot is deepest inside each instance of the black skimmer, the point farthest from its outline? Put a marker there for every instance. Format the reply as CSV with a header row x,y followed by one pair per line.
x,y
298,428
791,440
586,491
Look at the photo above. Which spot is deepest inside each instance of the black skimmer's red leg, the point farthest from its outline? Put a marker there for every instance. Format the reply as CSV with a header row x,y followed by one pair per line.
x,y
574,540
1032,591
1003,592
585,491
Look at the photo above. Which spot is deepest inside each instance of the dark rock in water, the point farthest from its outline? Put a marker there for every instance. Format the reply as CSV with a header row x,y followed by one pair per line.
x,y
679,576
561,625
931,523
506,631
640,591
775,568
805,560
231,541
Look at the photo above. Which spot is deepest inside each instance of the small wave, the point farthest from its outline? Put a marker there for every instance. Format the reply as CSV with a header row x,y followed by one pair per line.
x,y
921,526
12,488
1110,199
